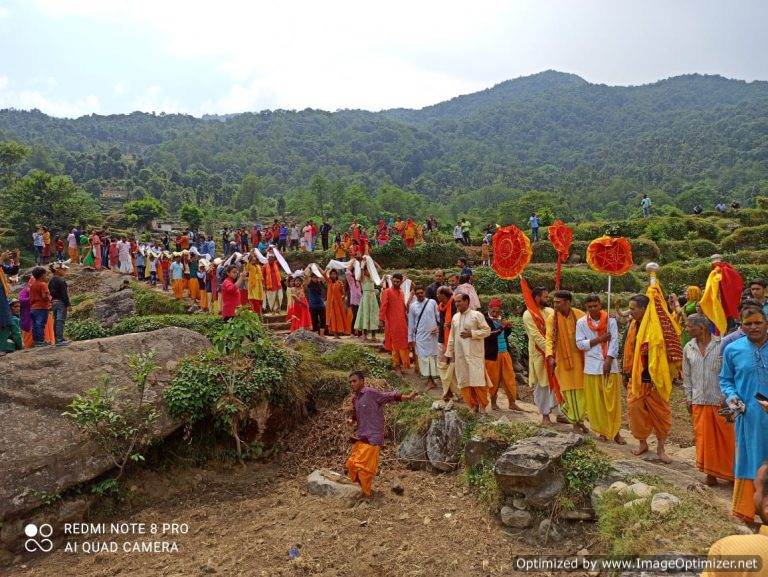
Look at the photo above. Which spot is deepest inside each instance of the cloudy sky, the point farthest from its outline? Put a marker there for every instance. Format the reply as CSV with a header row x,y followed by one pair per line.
x,y
75,57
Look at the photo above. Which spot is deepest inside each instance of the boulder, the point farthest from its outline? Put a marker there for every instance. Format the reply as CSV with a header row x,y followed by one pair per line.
x,y
322,344
636,503
548,532
530,466
663,503
543,496
326,483
43,452
413,451
511,517
443,441
479,449
114,307
638,490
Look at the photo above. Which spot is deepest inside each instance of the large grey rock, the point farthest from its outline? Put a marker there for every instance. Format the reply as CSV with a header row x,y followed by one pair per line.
x,y
443,441
543,496
114,307
322,344
531,464
413,451
479,449
326,483
663,503
43,452
511,517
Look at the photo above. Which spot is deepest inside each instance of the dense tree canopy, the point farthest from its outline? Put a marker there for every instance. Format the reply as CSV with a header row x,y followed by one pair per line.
x,y
550,142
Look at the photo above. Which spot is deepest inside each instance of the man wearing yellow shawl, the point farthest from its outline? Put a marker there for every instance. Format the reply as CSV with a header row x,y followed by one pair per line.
x,y
255,284
652,354
564,357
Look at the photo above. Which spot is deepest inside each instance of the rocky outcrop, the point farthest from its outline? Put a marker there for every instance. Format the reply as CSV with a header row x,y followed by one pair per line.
x,y
531,468
413,451
479,449
114,307
443,441
322,344
326,483
42,452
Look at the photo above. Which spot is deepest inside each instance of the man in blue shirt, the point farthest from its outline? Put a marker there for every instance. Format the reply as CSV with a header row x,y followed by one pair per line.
x,y
534,221
743,376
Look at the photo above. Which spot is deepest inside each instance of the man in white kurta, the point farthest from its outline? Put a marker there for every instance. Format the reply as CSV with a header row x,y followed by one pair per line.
x,y
597,334
543,397
466,350
423,330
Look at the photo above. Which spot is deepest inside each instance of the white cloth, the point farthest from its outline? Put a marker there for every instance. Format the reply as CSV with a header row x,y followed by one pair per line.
x,y
274,300
425,334
469,290
545,401
468,354
428,366
593,356
457,232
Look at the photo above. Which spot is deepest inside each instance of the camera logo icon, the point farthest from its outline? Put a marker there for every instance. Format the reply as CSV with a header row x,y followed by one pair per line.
x,y
38,538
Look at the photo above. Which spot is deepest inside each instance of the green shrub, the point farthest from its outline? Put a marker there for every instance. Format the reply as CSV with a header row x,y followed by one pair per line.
x,y
205,324
644,250
151,302
583,467
761,202
753,216
84,330
747,237
481,482
582,280
244,328
351,357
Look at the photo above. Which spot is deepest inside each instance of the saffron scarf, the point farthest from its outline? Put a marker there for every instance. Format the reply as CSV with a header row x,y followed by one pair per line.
x,y
600,328
541,325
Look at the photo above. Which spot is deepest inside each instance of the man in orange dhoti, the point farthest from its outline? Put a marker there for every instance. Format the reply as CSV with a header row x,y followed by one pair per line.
x,y
335,313
498,361
466,351
368,413
715,438
647,406
392,315
565,359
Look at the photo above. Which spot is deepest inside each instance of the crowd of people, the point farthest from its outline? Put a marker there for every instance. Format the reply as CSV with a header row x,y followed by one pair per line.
x,y
579,361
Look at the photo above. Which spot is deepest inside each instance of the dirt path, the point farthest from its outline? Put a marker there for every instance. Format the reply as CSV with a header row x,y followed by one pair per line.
x,y
245,521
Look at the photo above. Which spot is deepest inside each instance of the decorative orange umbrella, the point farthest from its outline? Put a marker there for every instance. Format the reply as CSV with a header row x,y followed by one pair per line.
x,y
511,252
561,237
611,255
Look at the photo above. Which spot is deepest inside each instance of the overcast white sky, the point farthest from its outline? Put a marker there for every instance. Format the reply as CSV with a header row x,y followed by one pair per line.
x,y
74,57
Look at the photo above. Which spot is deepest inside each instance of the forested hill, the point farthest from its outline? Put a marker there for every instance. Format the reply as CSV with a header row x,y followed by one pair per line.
x,y
685,138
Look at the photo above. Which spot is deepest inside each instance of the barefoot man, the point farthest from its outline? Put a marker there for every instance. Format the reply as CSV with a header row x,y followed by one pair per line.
x,y
598,336
423,318
394,318
368,413
498,361
715,440
647,401
565,359
534,321
466,350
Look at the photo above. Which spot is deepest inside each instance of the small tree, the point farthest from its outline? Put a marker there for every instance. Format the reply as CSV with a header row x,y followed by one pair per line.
x,y
11,154
192,214
145,210
123,432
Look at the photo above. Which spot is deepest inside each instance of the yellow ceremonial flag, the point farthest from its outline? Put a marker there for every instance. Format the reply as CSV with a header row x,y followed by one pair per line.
x,y
651,333
710,302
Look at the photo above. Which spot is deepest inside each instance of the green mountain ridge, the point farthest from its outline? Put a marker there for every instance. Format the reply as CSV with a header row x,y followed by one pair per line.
x,y
686,139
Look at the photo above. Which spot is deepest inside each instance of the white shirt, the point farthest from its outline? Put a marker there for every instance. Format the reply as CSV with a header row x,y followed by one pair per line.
x,y
457,233
593,356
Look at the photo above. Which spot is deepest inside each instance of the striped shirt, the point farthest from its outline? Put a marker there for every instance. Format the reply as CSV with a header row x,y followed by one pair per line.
x,y
701,373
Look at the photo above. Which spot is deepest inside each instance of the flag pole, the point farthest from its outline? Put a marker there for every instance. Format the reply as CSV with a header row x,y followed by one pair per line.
x,y
608,306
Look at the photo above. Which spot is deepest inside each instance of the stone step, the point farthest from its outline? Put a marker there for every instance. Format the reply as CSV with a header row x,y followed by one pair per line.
x,y
270,319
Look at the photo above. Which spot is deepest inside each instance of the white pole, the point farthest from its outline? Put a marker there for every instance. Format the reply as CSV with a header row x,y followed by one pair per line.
x,y
608,306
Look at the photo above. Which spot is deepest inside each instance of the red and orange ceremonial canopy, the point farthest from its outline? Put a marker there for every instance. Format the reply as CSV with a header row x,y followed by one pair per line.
x,y
561,237
609,254
511,252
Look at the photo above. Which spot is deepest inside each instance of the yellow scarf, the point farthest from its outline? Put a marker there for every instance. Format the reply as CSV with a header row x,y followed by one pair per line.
x,y
710,302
